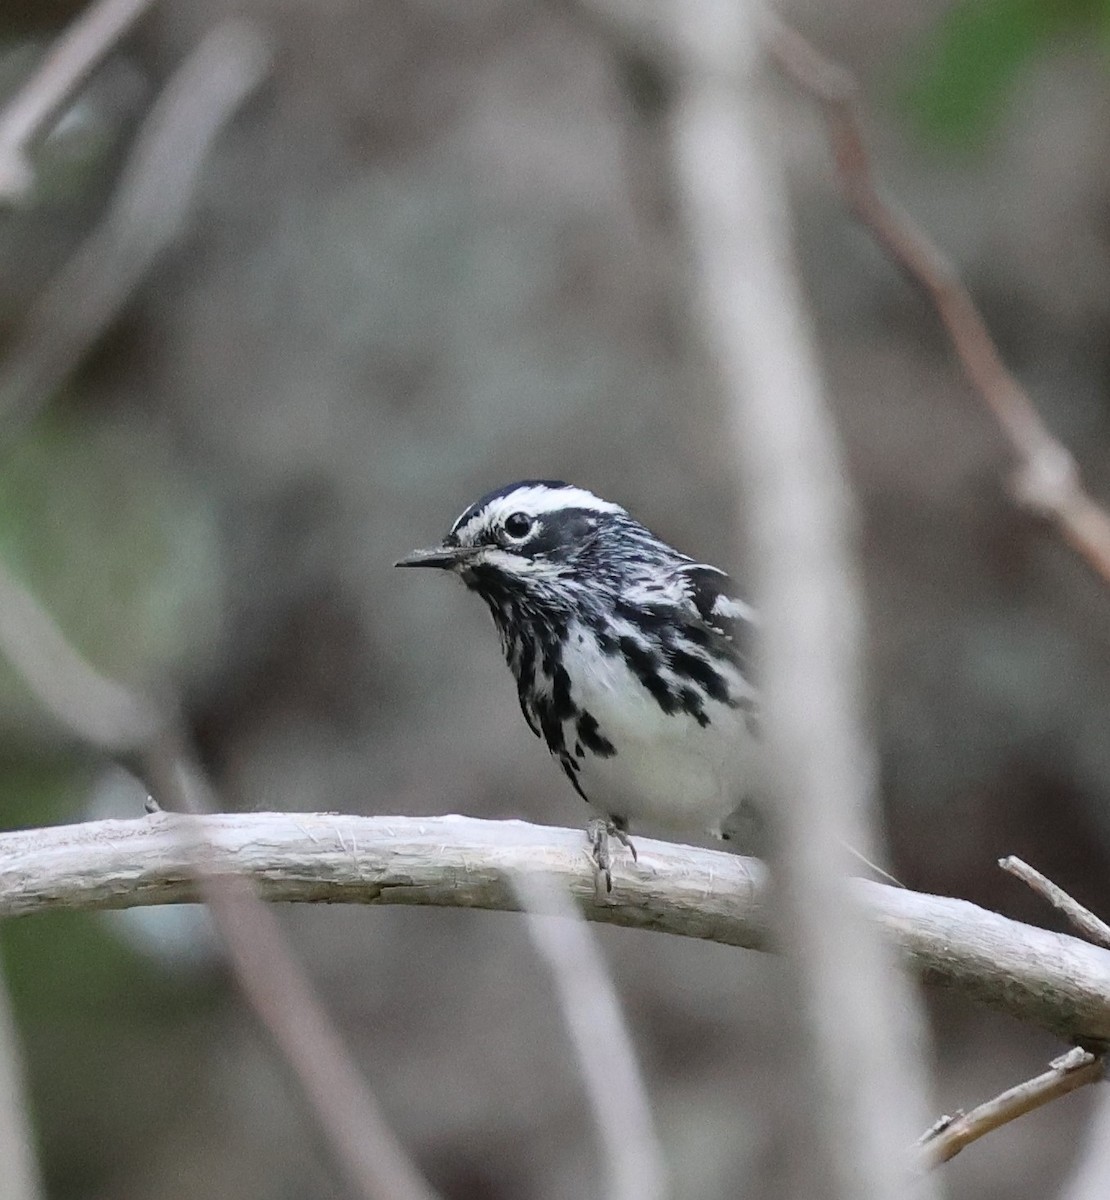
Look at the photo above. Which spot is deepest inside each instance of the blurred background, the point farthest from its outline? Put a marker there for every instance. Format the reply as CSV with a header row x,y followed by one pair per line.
x,y
435,252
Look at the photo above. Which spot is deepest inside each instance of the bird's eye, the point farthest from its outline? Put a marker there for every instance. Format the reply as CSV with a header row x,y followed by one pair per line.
x,y
518,524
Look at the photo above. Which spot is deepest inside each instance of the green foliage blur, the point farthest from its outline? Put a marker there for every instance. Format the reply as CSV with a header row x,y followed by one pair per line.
x,y
976,53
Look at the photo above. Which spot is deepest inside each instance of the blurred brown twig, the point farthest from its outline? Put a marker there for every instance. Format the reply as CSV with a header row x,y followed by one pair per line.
x,y
87,704
1047,479
68,64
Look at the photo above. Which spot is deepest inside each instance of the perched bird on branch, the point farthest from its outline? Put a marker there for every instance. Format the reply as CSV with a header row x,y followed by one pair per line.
x,y
629,657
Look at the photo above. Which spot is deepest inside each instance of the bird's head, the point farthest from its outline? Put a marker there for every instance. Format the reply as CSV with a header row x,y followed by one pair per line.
x,y
521,536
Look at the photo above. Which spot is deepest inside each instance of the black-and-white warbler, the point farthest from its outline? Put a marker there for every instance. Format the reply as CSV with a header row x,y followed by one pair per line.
x,y
629,657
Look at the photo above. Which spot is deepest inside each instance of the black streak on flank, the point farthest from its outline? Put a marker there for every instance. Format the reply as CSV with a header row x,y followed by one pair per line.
x,y
692,703
702,673
569,767
553,735
552,728
605,640
592,738
644,665
525,672
562,706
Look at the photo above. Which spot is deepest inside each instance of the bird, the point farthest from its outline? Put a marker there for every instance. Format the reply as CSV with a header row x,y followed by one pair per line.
x,y
631,659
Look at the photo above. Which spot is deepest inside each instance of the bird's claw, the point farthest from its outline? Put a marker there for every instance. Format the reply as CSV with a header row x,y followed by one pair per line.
x,y
599,831
614,830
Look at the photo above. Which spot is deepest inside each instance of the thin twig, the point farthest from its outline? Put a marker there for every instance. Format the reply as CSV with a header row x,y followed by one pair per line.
x,y
147,213
950,1135
861,1016
1047,480
18,1166
606,1056
1083,919
67,65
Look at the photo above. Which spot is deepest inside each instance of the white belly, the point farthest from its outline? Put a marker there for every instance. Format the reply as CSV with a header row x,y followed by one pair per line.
x,y
668,769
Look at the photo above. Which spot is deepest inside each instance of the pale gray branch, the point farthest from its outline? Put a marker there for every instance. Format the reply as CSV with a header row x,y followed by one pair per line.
x,y
864,1028
68,63
603,1045
1048,979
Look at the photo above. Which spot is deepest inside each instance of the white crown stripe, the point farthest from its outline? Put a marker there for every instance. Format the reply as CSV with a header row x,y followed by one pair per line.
x,y
535,500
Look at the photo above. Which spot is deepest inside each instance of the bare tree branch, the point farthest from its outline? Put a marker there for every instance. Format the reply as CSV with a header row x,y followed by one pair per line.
x,y
18,1165
602,1043
950,1135
861,1015
1090,926
1047,480
1046,979
66,67
147,213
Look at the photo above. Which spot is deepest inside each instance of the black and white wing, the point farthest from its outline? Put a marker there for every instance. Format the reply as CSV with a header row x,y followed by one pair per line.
x,y
710,592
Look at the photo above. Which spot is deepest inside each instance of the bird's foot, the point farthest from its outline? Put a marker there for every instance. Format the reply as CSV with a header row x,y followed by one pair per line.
x,y
599,831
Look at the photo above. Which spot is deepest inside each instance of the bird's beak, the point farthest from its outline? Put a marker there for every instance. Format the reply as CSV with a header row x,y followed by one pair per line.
x,y
447,557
